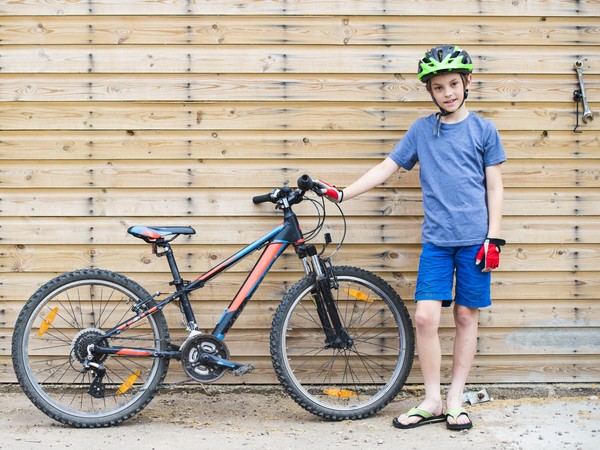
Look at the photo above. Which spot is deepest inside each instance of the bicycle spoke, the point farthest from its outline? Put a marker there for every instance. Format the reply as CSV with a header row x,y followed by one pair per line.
x,y
55,361
355,377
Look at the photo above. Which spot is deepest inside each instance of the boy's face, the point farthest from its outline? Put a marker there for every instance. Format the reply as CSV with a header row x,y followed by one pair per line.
x,y
448,90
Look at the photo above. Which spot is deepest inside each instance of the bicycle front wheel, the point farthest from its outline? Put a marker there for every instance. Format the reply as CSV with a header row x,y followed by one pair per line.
x,y
50,346
336,383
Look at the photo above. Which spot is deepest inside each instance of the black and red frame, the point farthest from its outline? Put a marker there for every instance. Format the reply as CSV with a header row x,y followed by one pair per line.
x,y
273,243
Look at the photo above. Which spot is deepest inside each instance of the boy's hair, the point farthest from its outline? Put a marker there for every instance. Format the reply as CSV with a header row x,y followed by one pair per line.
x,y
444,59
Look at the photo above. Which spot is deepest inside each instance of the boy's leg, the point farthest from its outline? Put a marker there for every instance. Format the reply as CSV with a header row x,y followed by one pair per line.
x,y
427,320
472,293
465,346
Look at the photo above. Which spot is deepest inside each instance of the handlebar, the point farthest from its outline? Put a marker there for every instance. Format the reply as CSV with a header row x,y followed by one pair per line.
x,y
305,183
261,199
285,197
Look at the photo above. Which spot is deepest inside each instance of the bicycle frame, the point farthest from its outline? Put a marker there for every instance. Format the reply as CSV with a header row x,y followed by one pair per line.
x,y
275,242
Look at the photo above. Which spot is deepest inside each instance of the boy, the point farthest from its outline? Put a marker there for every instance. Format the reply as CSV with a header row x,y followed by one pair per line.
x,y
459,155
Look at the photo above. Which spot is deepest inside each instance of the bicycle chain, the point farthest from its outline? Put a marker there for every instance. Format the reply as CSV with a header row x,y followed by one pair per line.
x,y
170,341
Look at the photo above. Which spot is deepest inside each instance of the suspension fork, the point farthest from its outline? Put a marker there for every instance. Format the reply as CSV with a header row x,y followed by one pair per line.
x,y
335,333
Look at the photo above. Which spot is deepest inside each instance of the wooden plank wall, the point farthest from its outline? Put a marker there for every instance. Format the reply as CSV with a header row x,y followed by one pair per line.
x,y
116,113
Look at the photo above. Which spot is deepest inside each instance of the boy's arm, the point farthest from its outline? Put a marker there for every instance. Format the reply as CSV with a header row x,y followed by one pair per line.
x,y
495,198
490,249
374,177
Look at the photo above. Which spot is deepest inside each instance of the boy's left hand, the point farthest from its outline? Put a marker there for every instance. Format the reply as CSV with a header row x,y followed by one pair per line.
x,y
490,253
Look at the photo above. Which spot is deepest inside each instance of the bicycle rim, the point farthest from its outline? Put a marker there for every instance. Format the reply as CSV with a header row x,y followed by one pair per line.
x,y
53,345
358,381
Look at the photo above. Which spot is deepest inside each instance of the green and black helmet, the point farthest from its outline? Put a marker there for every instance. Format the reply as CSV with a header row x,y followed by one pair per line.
x,y
442,59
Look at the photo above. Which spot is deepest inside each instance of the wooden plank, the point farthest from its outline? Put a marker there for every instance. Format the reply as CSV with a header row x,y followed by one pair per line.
x,y
199,258
272,116
552,286
284,145
263,30
542,341
306,7
243,230
190,203
249,344
282,59
222,145
281,87
521,299
500,326
265,174
224,230
532,369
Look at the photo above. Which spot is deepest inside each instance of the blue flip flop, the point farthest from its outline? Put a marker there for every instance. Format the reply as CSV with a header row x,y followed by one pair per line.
x,y
426,418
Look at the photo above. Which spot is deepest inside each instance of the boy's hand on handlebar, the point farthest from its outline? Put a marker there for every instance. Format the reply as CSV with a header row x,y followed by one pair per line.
x,y
490,253
330,192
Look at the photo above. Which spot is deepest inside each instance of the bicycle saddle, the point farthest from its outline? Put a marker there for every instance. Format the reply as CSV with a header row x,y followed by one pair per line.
x,y
153,234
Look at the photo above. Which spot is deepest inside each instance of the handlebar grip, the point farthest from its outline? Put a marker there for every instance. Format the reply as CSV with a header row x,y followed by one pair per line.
x,y
305,183
261,199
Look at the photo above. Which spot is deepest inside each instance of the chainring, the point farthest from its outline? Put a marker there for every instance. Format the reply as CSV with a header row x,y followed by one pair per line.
x,y
194,348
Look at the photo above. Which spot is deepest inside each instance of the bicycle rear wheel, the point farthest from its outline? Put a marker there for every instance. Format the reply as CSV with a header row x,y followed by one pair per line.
x,y
50,342
340,384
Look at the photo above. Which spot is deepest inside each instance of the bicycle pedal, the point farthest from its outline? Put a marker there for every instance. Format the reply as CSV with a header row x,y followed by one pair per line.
x,y
243,370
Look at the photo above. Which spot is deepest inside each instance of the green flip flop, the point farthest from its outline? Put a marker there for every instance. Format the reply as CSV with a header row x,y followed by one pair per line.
x,y
455,414
426,418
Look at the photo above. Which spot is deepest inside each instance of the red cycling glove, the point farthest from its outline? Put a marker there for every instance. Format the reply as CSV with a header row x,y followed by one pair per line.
x,y
331,192
490,253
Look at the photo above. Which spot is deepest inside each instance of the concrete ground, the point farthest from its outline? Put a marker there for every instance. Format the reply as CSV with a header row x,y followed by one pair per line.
x,y
518,417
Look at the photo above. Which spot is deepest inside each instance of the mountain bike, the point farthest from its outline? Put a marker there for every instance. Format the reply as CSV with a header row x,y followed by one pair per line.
x,y
91,347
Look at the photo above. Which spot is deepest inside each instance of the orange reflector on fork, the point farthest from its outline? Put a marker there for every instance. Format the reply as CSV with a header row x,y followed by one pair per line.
x,y
128,382
47,321
340,393
358,295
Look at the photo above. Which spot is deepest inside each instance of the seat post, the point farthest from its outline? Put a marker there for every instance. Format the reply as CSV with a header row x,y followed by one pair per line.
x,y
179,284
168,252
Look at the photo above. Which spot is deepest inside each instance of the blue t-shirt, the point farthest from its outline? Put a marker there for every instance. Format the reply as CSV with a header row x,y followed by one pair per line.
x,y
452,173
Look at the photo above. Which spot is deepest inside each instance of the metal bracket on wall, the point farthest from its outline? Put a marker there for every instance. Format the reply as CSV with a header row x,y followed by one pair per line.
x,y
579,96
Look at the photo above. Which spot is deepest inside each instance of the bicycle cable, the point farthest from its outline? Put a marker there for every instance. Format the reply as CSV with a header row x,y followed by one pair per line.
x,y
321,218
344,228
321,215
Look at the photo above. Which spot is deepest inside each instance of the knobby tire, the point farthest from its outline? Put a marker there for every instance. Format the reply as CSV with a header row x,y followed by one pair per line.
x,y
50,341
341,384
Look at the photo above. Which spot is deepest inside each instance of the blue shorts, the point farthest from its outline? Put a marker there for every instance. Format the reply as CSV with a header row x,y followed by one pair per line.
x,y
437,269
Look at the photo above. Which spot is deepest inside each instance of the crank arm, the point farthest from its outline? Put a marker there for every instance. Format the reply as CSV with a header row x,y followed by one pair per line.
x,y
237,368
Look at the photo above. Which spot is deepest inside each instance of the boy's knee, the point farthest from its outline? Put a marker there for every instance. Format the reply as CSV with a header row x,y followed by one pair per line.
x,y
426,322
465,317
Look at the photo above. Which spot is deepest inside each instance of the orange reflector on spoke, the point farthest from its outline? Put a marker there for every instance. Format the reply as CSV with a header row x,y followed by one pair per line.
x,y
358,295
340,393
128,382
47,321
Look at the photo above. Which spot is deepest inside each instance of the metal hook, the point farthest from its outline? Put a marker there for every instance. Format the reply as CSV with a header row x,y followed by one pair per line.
x,y
579,96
